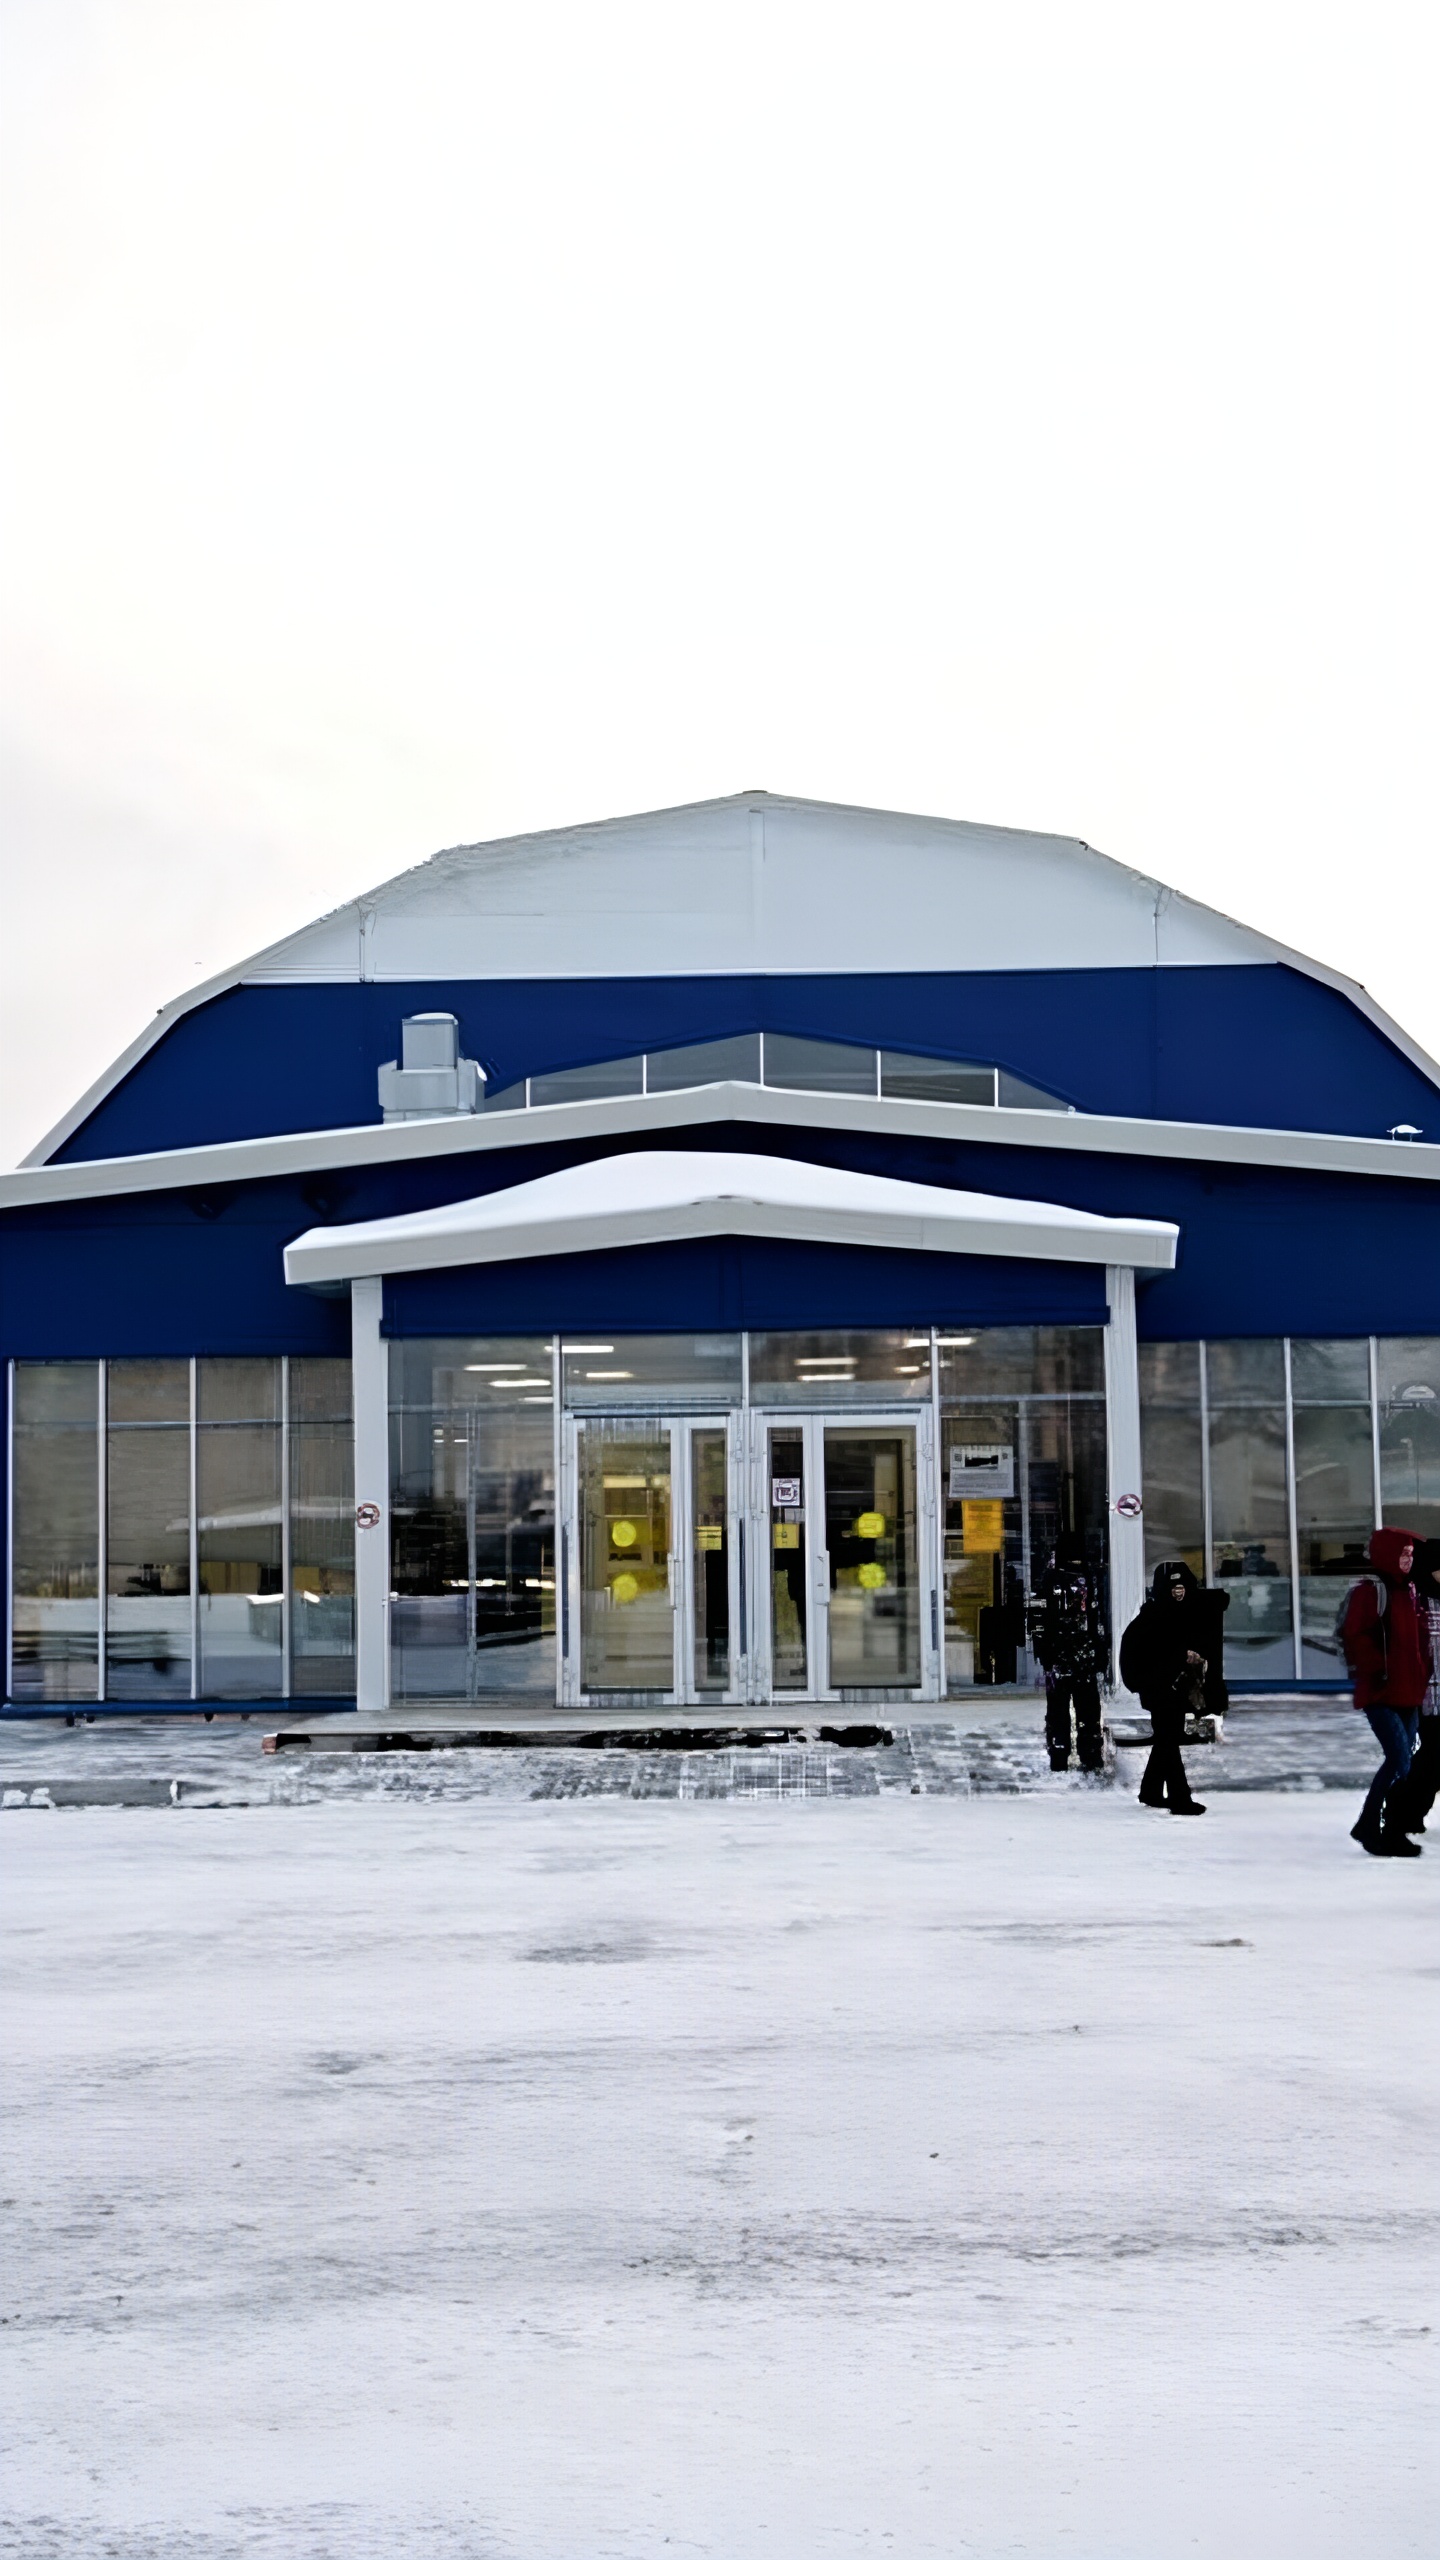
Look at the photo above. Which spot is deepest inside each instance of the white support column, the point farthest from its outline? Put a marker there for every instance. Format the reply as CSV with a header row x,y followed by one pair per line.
x,y
1122,1442
370,1382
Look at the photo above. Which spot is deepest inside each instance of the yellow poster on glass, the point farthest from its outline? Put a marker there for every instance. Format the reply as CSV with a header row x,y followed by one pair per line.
x,y
984,1527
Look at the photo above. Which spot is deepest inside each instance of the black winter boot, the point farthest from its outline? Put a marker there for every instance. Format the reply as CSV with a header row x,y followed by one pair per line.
x,y
1368,1835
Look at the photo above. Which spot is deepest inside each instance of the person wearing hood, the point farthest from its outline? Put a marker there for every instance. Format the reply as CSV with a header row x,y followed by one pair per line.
x,y
1170,1655
1386,1636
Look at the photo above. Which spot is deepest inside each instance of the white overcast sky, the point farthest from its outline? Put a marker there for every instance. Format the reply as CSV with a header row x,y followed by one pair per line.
x,y
428,421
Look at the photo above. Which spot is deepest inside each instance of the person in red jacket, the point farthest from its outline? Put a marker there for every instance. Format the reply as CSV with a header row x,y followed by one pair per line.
x,y
1386,1635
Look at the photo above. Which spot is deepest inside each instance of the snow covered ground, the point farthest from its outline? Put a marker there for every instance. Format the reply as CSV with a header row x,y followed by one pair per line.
x,y
596,2180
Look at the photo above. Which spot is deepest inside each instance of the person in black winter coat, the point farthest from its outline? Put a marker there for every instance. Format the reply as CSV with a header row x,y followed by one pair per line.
x,y
1171,1656
1067,1635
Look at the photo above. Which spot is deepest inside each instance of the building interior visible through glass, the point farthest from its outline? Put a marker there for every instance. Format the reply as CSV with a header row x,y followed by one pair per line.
x,y
184,1529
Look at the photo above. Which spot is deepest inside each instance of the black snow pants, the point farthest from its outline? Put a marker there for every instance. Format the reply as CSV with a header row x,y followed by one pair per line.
x,y
1165,1781
1079,1689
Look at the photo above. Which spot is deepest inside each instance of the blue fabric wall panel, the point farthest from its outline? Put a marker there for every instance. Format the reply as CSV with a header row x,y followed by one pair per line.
x,y
110,1286
1262,1251
1262,1046
722,1284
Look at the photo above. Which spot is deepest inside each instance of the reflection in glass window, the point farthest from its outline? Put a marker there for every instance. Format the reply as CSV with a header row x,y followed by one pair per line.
x,y
147,1611
798,1065
238,1528
1408,1384
55,1636
820,1369
651,1372
1334,1489
589,1084
1172,1468
907,1079
322,1530
472,1519
735,1061
1022,1475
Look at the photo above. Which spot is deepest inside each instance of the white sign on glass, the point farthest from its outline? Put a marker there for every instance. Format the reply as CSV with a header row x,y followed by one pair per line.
x,y
785,1493
978,1467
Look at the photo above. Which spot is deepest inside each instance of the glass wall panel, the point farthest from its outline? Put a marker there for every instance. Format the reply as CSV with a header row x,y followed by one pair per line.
x,y
1172,1465
1334,1489
322,1530
239,1540
734,1061
821,1369
147,1610
55,1629
1252,1533
1408,1386
589,1084
1022,1469
1023,1360
1246,1372
798,1065
651,1373
933,1080
472,1512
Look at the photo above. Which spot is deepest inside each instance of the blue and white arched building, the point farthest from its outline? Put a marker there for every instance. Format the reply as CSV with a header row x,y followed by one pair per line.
x,y
712,1257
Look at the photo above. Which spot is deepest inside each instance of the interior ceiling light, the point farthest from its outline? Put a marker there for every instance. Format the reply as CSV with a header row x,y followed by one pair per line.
x,y
518,1382
587,1350
956,1341
832,1360
473,1368
609,1373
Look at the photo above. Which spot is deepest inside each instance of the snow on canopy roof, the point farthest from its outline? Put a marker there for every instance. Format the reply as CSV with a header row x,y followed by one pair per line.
x,y
661,1195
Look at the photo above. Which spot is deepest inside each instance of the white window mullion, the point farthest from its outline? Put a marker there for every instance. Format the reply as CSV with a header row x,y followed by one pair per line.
x,y
1292,1509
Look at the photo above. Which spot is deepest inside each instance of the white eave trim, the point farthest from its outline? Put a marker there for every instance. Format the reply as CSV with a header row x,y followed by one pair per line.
x,y
661,1197
759,1106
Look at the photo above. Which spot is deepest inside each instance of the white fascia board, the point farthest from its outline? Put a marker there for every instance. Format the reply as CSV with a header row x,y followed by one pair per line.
x,y
381,935
660,1198
759,1106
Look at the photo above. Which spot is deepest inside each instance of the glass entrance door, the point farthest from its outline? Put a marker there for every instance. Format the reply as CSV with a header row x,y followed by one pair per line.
x,y
845,1596
767,1558
651,1571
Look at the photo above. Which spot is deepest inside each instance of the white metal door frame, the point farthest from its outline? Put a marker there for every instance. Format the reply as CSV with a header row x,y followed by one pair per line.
x,y
679,1431
810,1427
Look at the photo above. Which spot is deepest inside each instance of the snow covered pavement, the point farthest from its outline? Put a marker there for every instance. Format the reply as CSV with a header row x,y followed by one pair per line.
x,y
595,2180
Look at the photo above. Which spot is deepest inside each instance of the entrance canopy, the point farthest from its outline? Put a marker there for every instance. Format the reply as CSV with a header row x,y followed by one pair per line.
x,y
661,1196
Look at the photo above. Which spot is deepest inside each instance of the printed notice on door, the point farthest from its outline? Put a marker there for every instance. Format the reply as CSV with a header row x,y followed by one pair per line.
x,y
981,1468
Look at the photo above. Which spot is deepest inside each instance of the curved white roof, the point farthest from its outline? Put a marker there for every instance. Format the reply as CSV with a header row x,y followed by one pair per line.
x,y
659,1196
758,883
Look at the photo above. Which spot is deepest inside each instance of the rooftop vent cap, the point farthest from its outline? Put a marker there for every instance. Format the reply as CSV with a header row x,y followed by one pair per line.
x,y
431,1081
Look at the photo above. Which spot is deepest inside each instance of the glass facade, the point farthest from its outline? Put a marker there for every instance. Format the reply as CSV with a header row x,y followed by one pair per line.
x,y
1267,1463
168,1516
184,1529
